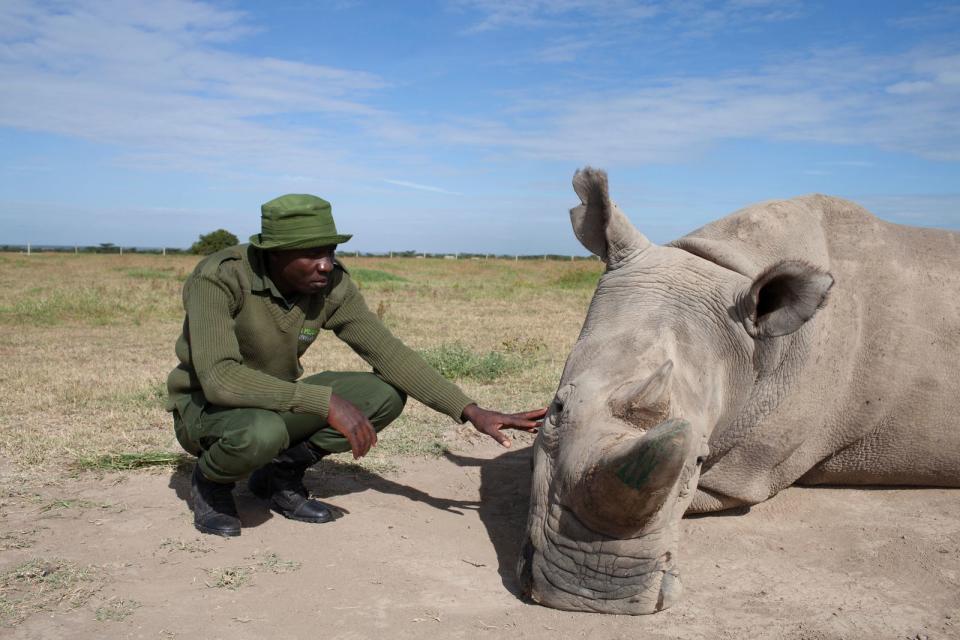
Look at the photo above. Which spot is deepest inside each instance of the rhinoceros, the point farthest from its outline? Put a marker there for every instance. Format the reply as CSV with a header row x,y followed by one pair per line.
x,y
797,341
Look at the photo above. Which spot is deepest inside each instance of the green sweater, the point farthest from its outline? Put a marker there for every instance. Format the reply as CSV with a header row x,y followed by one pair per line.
x,y
241,342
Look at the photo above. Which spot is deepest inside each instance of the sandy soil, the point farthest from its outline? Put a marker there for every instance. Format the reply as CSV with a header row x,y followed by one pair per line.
x,y
428,552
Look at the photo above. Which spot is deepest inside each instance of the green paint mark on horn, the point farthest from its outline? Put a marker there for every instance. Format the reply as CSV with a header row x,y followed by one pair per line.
x,y
636,471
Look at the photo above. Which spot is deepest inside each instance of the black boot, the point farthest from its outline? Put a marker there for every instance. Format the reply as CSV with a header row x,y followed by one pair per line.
x,y
213,508
281,482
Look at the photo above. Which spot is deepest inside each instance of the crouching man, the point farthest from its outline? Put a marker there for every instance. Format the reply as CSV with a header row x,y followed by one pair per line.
x,y
238,400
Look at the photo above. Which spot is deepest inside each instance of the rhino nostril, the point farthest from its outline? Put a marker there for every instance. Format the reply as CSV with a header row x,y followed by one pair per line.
x,y
700,460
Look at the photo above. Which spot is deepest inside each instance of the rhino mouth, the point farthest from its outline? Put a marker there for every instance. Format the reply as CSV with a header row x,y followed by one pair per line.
x,y
572,568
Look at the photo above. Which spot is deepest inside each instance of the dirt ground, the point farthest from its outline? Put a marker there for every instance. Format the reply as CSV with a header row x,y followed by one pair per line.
x,y
428,552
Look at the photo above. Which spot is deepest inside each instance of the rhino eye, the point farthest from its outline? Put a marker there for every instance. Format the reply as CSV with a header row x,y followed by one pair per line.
x,y
700,460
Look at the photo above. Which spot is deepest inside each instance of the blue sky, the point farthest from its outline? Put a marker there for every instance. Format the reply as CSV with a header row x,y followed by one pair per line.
x,y
457,125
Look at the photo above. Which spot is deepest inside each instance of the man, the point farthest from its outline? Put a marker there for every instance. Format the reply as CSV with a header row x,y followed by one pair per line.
x,y
237,401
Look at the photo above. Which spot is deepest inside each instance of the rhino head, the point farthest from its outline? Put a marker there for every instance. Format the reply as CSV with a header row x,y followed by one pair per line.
x,y
663,356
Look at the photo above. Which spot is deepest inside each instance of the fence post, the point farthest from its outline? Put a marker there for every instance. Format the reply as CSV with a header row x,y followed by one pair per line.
x,y
28,248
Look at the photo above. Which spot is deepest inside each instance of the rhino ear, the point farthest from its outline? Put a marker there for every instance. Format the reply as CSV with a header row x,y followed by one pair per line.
x,y
598,223
784,297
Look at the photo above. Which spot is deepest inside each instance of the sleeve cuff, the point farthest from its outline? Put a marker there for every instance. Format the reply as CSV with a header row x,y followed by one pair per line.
x,y
455,405
311,398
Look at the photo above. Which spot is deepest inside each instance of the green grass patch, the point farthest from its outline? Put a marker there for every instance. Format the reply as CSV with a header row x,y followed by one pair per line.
x,y
130,461
578,279
50,307
145,273
456,361
374,276
97,305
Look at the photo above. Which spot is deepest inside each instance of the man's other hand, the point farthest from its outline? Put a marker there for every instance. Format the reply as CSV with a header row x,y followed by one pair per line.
x,y
343,416
493,422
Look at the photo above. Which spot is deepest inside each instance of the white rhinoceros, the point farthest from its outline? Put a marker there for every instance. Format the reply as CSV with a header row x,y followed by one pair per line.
x,y
799,341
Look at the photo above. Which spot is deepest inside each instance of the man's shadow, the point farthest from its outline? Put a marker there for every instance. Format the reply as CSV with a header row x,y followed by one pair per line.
x,y
326,481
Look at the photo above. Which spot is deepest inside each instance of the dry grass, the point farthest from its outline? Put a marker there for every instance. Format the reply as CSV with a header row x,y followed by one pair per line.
x,y
116,610
45,585
233,578
87,342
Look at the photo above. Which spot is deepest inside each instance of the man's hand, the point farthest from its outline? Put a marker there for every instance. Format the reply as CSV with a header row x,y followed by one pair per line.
x,y
343,416
491,422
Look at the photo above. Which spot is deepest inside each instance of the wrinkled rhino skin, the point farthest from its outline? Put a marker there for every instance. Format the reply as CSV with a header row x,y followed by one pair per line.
x,y
800,341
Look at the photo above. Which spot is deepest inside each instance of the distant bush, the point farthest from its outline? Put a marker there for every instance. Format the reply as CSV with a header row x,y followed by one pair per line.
x,y
457,361
213,242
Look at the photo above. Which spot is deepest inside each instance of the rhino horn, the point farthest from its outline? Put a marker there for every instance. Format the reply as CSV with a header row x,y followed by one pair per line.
x,y
629,483
644,402
599,224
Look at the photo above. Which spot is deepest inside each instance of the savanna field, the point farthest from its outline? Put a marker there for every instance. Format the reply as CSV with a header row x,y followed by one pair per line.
x,y
97,537
88,343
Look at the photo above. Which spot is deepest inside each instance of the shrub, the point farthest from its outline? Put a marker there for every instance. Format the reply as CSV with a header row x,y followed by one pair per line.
x,y
457,361
213,242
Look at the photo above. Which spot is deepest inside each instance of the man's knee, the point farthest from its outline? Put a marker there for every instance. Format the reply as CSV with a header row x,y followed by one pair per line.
x,y
262,437
391,406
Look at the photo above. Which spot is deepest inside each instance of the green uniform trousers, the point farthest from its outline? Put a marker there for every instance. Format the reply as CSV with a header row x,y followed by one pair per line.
x,y
231,442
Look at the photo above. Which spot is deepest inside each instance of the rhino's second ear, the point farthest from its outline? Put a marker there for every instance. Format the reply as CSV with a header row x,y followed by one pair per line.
x,y
784,297
599,225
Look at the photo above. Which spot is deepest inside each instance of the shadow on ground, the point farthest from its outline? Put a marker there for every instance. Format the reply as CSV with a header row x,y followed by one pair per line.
x,y
325,481
504,503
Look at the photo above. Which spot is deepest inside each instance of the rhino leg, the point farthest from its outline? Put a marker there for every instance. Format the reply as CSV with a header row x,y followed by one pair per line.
x,y
706,501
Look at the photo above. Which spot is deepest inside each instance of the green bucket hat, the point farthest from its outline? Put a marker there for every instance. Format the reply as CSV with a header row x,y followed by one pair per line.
x,y
297,221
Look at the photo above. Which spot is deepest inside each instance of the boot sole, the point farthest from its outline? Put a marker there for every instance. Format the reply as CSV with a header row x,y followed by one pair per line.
x,y
217,532
290,516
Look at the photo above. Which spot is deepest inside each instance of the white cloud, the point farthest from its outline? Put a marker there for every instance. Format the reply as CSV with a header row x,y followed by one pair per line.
x,y
153,79
565,50
832,97
907,88
691,17
421,187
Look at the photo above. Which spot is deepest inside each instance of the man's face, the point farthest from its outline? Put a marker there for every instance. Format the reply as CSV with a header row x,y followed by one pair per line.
x,y
303,271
